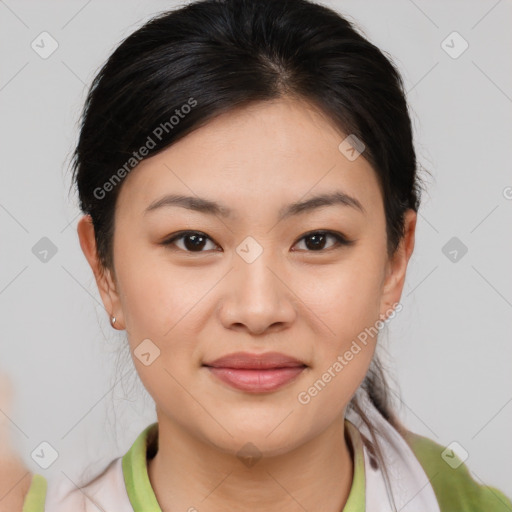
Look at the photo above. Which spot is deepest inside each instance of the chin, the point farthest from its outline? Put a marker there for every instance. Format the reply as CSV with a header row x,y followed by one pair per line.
x,y
257,445
269,438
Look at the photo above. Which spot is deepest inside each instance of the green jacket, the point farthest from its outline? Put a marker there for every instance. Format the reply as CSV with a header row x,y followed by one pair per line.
x,y
455,489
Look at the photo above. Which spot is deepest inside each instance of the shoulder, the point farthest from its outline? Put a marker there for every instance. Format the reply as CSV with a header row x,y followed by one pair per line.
x,y
453,484
52,495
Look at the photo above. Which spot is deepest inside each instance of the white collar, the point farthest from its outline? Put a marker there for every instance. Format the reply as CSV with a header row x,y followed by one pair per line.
x,y
409,485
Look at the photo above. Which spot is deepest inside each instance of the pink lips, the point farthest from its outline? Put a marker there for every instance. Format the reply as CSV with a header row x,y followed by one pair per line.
x,y
256,373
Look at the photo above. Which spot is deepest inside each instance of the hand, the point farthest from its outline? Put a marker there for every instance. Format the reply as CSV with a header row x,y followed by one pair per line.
x,y
15,477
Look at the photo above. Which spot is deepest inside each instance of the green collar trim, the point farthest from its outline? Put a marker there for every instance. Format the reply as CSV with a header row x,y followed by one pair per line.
x,y
135,472
356,501
142,496
36,495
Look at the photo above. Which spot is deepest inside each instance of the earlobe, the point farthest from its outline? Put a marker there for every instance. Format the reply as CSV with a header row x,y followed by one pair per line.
x,y
103,277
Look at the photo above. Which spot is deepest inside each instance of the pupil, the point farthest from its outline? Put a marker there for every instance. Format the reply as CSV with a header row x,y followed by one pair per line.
x,y
196,245
317,237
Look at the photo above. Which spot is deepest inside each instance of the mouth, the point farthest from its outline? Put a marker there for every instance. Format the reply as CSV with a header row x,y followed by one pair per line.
x,y
256,373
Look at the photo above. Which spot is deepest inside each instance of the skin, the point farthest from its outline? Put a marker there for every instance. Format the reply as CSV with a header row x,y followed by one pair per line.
x,y
15,477
197,306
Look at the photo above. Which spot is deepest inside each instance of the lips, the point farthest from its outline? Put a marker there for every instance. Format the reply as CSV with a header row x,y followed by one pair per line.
x,y
245,360
256,373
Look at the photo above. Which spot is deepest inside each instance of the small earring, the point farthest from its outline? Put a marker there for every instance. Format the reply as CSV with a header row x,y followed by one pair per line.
x,y
112,321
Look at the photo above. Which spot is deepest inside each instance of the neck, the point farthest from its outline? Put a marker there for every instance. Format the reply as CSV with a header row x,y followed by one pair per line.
x,y
189,474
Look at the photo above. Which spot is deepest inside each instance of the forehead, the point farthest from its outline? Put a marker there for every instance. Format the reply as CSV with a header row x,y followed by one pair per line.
x,y
265,154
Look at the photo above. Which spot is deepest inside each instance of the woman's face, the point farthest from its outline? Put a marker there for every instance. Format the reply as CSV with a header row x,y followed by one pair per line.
x,y
256,278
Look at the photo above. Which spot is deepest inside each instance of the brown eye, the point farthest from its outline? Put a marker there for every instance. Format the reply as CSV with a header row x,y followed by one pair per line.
x,y
193,241
196,241
315,241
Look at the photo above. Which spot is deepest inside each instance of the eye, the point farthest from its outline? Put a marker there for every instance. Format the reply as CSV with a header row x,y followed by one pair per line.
x,y
194,241
317,240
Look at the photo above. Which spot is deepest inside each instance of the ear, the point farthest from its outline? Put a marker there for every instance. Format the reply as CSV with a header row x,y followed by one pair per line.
x,y
104,280
397,266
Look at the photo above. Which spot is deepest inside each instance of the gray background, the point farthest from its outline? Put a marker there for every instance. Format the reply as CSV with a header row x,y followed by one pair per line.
x,y
449,350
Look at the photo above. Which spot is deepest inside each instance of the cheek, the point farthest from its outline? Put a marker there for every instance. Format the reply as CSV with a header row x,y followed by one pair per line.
x,y
345,297
347,300
158,305
348,306
157,298
168,305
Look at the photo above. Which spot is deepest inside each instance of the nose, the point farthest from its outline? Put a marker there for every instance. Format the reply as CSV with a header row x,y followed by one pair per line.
x,y
257,297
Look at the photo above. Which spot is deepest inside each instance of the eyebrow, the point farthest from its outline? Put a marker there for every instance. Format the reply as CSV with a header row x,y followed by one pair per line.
x,y
210,207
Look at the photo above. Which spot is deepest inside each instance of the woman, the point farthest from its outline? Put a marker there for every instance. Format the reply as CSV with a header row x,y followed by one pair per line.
x,y
248,179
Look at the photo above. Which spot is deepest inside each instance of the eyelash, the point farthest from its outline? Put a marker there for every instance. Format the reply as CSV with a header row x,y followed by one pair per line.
x,y
341,240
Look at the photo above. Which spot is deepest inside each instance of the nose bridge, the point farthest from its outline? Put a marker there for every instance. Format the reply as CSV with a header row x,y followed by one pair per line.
x,y
253,264
257,296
